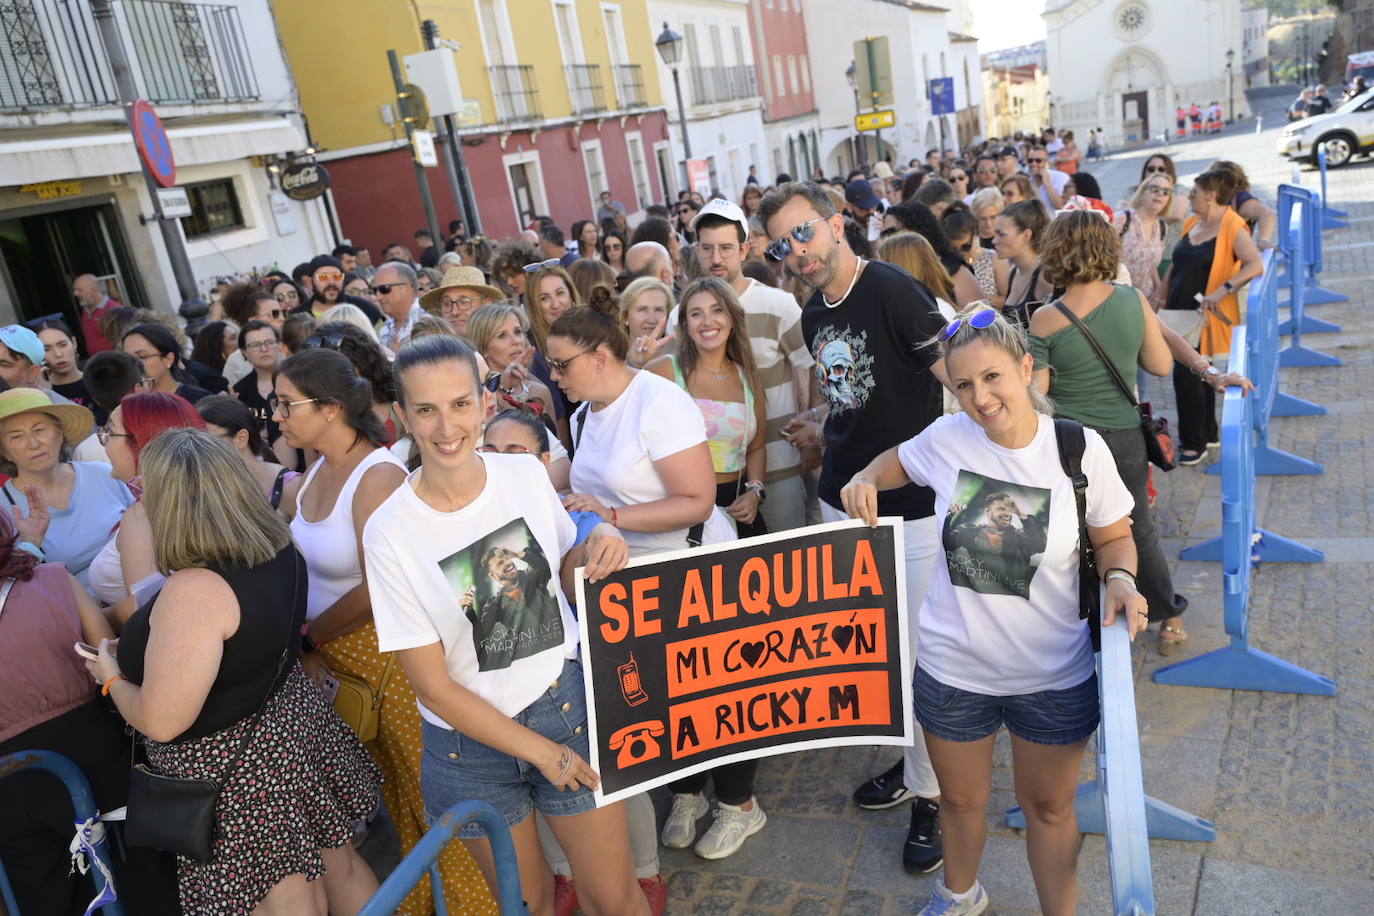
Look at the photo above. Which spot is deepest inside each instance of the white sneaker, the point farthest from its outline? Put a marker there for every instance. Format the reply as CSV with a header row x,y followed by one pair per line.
x,y
681,827
732,826
942,902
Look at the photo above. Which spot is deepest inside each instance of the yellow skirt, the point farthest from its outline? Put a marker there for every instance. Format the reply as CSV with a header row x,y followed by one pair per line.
x,y
398,750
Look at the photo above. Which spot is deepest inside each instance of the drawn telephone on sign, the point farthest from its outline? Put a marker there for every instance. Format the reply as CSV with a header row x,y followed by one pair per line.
x,y
636,743
630,687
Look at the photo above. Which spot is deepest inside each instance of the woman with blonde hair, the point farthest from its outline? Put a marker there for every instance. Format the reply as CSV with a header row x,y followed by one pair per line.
x,y
913,253
588,273
497,332
206,672
644,308
348,313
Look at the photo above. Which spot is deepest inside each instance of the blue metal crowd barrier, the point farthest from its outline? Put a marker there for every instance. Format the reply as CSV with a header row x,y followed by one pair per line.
x,y
1311,235
1299,213
88,826
1115,803
1240,666
1331,217
426,854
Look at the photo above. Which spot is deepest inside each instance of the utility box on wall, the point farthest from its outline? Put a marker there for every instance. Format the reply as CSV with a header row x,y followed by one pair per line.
x,y
437,74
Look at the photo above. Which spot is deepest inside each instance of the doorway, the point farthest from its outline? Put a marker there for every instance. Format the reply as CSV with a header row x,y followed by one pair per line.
x,y
45,250
523,189
1135,116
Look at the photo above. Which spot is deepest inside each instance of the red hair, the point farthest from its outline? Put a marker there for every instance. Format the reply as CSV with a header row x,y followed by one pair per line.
x,y
147,414
14,563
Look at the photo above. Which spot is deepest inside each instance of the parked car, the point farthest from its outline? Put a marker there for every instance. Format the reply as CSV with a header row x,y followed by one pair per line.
x,y
1346,130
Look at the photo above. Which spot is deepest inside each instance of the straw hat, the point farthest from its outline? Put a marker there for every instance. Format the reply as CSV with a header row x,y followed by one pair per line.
x,y
77,422
460,278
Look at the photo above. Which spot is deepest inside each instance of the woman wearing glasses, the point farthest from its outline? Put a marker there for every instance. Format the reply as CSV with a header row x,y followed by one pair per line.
x,y
261,345
323,405
999,636
989,271
1142,231
65,509
613,250
1016,188
155,347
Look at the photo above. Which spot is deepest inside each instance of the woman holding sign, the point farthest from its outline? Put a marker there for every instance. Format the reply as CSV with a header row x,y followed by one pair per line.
x,y
467,563
1000,639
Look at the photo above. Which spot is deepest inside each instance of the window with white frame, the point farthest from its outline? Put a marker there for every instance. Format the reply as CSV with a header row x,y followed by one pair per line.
x,y
792,72
639,169
596,171
777,75
805,74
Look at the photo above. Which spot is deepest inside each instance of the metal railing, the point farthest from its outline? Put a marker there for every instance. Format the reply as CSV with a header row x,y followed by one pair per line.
x,y
629,86
584,88
722,84
515,93
52,56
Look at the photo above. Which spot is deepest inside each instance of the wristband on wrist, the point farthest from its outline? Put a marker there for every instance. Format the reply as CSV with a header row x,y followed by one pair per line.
x,y
615,517
31,547
1117,572
105,688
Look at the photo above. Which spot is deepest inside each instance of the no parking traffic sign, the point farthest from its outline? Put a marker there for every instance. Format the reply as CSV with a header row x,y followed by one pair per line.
x,y
150,139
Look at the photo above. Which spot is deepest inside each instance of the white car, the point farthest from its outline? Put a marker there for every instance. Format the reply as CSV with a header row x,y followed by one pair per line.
x,y
1346,130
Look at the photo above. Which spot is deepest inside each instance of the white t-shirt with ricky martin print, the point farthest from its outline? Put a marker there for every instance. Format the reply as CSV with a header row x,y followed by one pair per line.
x,y
1001,614
483,581
614,450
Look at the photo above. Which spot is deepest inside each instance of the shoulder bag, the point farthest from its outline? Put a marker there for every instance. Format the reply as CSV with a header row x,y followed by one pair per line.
x,y
1159,442
358,704
1068,434
175,814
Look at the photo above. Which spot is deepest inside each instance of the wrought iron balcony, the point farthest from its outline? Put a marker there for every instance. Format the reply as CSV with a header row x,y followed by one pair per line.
x,y
629,86
515,93
52,56
723,84
584,88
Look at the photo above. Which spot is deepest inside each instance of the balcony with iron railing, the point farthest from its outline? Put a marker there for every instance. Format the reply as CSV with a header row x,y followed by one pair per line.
x,y
584,88
515,93
52,56
723,84
629,86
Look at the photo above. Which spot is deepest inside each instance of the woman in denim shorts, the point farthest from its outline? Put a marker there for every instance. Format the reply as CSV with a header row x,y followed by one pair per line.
x,y
1000,639
466,564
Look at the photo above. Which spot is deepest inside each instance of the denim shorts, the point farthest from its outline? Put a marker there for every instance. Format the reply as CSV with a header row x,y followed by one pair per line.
x,y
1045,717
457,768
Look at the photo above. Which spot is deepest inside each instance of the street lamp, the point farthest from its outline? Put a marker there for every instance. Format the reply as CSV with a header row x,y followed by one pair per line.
x,y
1230,87
669,45
852,76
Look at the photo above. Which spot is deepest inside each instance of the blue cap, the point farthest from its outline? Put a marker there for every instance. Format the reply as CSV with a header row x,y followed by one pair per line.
x,y
860,193
24,342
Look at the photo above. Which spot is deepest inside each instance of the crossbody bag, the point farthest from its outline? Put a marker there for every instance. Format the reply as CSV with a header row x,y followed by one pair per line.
x,y
1072,442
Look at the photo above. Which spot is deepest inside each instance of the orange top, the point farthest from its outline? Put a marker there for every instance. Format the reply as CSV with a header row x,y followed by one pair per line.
x,y
1216,334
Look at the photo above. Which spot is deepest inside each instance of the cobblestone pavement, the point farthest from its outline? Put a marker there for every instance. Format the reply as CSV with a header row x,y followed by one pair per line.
x,y
1285,778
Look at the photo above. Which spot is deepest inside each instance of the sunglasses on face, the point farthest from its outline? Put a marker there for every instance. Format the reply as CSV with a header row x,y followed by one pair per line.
x,y
1156,170
1162,192
323,341
979,320
329,277
802,232
542,265
286,297
1037,159
958,178
386,288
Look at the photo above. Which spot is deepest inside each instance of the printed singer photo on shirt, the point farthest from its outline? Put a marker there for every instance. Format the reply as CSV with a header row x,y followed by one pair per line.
x,y
504,586
994,534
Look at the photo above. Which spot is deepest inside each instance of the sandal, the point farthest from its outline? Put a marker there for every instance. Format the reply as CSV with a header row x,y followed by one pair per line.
x,y
1170,638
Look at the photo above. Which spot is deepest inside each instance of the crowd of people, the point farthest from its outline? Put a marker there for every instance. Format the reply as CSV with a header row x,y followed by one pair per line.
x,y
323,548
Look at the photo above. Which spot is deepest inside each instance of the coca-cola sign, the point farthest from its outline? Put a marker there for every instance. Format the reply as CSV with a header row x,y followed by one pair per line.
x,y
304,180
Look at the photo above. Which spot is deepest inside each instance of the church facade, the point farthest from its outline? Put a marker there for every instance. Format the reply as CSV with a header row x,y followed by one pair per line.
x,y
1128,65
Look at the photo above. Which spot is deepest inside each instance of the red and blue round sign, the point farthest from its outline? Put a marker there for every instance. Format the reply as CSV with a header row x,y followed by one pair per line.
x,y
150,139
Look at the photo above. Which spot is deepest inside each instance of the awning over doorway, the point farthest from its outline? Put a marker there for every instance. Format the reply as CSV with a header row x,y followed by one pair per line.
x,y
63,157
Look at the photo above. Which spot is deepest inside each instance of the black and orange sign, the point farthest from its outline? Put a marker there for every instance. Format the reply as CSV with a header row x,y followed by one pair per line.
x,y
746,649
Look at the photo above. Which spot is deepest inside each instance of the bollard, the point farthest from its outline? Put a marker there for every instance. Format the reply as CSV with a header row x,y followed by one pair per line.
x,y
1331,217
1300,211
83,806
1115,803
426,852
1240,666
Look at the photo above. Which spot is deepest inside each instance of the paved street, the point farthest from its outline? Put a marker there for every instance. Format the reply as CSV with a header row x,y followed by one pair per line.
x,y
1284,778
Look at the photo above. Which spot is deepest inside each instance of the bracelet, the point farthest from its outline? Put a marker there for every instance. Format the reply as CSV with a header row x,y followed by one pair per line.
x,y
1202,361
615,517
105,688
32,548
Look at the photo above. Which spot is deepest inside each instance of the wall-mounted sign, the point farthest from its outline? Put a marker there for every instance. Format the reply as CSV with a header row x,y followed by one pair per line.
x,y
942,95
53,190
875,120
173,203
304,180
150,139
422,144
470,114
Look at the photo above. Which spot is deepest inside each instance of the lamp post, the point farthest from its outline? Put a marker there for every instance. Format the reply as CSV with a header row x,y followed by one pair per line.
x,y
852,76
669,45
1230,87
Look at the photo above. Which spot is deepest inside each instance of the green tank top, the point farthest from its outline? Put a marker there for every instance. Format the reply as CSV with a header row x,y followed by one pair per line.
x,y
1079,384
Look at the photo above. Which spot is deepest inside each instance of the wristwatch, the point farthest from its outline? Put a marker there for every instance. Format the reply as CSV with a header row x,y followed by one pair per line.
x,y
1122,574
757,487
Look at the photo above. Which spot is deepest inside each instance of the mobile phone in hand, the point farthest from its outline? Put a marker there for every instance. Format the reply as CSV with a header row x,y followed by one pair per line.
x,y
86,650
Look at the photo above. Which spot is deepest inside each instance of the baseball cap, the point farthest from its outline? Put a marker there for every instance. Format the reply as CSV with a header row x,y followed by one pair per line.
x,y
1007,151
24,342
860,193
718,206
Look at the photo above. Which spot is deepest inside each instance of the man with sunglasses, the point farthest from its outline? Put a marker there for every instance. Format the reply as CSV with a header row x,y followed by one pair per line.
x,y
984,175
327,282
1048,183
94,305
399,301
867,325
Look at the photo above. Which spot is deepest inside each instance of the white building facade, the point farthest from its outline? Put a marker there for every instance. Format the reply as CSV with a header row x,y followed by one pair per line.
x,y
73,199
922,47
1127,65
720,91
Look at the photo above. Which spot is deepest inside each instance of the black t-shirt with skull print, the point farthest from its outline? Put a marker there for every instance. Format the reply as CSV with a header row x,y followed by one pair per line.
x,y
874,372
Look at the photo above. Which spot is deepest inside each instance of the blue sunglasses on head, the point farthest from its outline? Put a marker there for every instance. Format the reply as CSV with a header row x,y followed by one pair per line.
x,y
979,320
